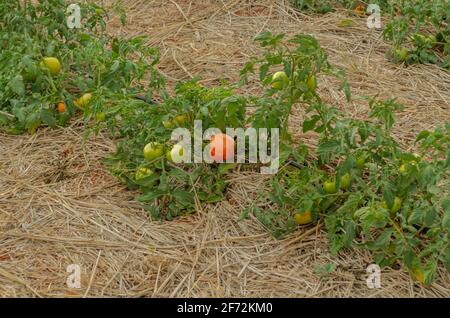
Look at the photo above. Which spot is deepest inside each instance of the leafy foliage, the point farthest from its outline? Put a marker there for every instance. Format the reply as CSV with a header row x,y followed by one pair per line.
x,y
391,202
422,26
367,190
173,189
90,61
419,30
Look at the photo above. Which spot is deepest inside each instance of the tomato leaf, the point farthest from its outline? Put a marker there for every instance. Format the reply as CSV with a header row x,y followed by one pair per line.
x,y
224,168
183,196
48,118
311,123
388,194
17,85
446,218
263,71
150,196
447,259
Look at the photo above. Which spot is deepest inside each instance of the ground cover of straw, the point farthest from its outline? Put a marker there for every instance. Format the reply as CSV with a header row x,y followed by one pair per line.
x,y
59,206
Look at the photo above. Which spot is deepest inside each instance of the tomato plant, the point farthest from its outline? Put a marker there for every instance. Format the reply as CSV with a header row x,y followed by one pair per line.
x,y
173,188
325,6
418,29
368,191
301,60
44,62
359,182
421,25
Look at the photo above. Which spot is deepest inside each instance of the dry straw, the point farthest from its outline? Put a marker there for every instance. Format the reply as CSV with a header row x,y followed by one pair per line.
x,y
59,206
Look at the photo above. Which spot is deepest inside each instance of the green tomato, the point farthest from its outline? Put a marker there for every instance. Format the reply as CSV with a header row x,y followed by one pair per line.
x,y
280,80
401,54
169,124
431,39
402,169
303,218
101,116
175,154
181,120
84,100
142,173
419,36
345,181
52,64
153,150
312,83
329,187
395,207
30,75
360,163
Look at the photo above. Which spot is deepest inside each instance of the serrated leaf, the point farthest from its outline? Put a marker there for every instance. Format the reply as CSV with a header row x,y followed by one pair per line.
x,y
351,205
422,135
48,118
263,71
224,168
244,214
416,216
264,36
382,240
17,86
446,218
349,233
328,148
311,123
213,198
19,113
150,196
182,195
447,260
388,194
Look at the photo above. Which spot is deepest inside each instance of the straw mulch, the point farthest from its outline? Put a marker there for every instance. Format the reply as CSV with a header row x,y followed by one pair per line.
x,y
59,206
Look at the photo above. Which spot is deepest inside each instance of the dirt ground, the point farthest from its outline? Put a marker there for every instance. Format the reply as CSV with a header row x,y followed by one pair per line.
x,y
59,206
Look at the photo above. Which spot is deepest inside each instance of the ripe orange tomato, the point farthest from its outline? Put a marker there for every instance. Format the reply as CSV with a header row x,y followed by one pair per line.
x,y
360,10
61,107
222,148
